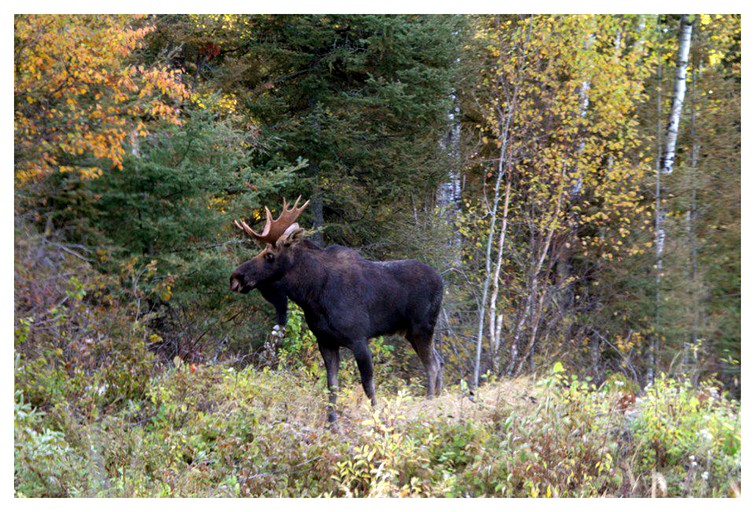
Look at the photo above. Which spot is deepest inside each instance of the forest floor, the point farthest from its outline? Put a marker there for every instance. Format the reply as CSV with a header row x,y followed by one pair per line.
x,y
215,431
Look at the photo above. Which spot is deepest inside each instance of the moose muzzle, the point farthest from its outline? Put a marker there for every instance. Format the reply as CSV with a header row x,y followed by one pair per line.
x,y
238,287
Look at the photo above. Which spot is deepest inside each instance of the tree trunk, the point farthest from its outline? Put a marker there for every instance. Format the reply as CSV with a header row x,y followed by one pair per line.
x,y
317,207
506,123
494,319
680,86
665,166
449,192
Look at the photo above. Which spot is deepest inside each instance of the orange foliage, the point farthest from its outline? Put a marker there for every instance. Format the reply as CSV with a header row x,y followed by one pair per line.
x,y
78,98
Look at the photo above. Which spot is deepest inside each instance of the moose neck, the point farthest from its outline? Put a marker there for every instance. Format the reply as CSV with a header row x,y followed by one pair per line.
x,y
275,294
306,276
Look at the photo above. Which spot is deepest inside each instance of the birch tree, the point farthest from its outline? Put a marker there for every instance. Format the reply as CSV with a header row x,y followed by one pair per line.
x,y
558,120
507,83
665,167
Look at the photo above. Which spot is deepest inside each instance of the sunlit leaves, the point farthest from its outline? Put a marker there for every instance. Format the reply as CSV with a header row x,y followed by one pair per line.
x,y
78,98
571,85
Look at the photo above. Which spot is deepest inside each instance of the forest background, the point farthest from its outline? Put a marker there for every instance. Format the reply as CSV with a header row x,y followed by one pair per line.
x,y
574,179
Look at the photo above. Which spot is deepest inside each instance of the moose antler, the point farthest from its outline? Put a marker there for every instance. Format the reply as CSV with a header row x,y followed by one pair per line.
x,y
274,228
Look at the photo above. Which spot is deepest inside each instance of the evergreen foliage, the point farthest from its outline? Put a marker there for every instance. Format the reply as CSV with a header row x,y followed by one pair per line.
x,y
363,99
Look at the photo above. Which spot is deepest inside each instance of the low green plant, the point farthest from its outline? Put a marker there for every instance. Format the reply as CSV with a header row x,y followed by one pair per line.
x,y
215,431
45,464
298,348
690,435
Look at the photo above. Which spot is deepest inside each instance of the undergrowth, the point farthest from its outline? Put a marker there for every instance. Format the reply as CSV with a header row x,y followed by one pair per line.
x,y
97,415
215,431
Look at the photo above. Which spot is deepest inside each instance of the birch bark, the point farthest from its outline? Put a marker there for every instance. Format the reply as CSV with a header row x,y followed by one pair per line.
x,y
665,166
680,87
495,320
506,124
506,115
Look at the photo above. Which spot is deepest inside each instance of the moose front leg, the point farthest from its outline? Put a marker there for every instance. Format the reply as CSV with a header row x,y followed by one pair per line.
x,y
363,357
332,360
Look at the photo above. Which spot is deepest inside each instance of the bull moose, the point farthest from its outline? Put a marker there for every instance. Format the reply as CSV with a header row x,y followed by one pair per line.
x,y
346,299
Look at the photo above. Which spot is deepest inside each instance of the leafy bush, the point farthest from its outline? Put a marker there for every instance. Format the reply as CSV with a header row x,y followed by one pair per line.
x,y
690,436
88,396
76,342
45,464
298,349
210,430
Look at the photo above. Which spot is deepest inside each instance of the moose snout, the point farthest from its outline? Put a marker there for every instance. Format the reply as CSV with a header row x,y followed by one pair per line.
x,y
238,286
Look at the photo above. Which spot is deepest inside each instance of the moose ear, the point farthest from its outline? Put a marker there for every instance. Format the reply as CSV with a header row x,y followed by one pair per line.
x,y
293,235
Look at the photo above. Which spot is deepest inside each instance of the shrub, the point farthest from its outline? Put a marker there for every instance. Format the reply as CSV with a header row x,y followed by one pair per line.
x,y
690,436
45,464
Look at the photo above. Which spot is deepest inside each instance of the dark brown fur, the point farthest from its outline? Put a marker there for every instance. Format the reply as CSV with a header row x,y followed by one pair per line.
x,y
348,300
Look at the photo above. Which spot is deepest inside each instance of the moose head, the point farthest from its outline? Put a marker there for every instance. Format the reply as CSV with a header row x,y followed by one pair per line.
x,y
272,263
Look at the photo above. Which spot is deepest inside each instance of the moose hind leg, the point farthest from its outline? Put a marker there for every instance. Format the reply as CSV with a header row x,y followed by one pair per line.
x,y
332,360
422,342
363,358
439,375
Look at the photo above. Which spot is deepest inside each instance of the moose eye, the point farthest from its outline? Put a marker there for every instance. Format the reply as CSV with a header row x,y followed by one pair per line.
x,y
269,256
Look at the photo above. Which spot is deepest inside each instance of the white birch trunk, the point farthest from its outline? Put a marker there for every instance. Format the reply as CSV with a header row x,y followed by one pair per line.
x,y
449,192
494,319
584,104
505,117
506,123
665,166
680,87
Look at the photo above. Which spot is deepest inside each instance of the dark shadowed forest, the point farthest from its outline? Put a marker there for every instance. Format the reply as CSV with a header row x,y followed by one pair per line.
x,y
573,179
